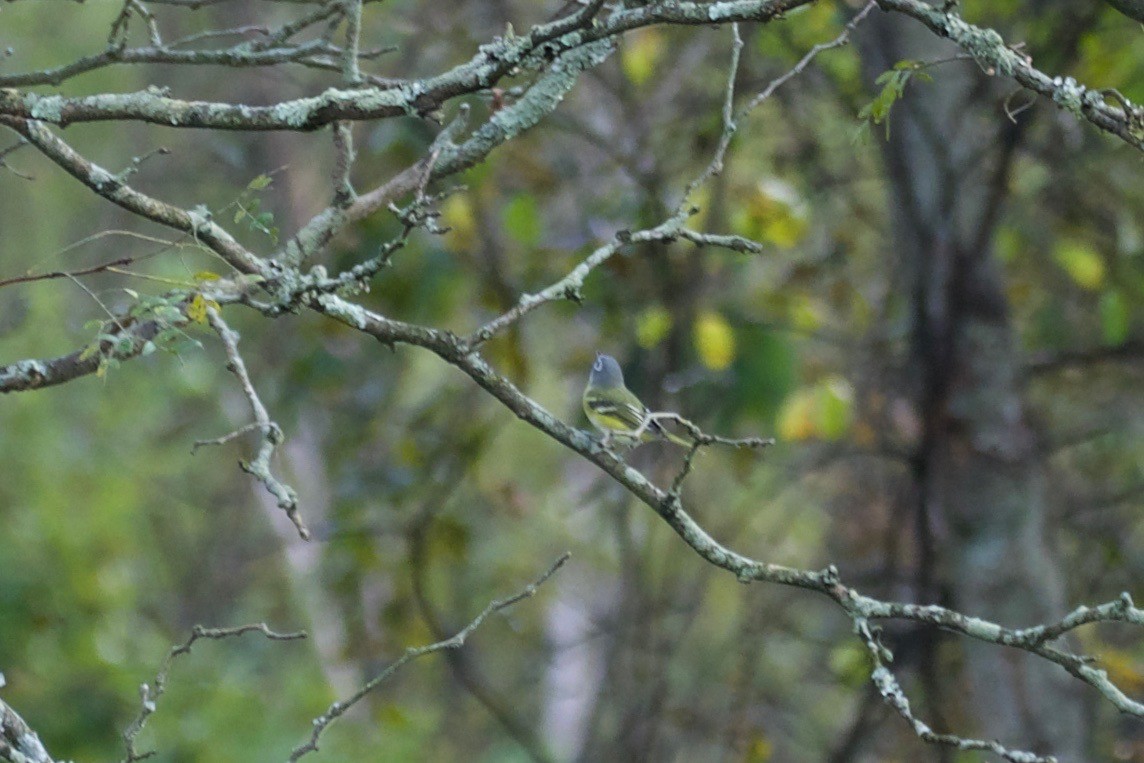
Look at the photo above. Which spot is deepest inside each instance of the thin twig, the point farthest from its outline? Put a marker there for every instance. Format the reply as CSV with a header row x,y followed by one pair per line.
x,y
339,708
149,694
351,69
731,122
272,435
112,316
224,439
344,156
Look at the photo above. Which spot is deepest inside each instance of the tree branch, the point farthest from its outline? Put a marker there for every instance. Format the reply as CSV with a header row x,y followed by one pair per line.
x,y
18,743
339,708
987,47
495,60
272,435
111,187
149,694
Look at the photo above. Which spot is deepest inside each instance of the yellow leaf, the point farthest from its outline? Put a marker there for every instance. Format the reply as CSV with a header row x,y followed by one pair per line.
x,y
759,750
772,212
1082,262
393,716
850,663
652,326
90,351
796,419
1123,668
641,54
824,410
206,275
805,313
197,309
714,340
458,215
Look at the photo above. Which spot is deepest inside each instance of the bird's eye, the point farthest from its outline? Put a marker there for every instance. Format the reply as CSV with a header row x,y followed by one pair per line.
x,y
599,364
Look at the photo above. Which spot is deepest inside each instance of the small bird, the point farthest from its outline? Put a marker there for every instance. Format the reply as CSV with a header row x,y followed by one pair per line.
x,y
615,410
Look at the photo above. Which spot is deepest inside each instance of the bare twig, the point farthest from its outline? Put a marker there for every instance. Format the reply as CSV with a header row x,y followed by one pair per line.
x,y
224,439
149,694
352,12
112,316
698,436
570,285
339,708
271,433
122,261
731,121
343,137
10,150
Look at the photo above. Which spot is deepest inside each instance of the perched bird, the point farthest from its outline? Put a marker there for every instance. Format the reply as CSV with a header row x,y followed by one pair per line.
x,y
615,410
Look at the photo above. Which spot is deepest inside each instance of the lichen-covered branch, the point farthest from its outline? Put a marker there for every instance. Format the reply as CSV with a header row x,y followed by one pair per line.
x,y
128,339
272,435
197,223
893,695
668,504
547,42
1124,119
18,742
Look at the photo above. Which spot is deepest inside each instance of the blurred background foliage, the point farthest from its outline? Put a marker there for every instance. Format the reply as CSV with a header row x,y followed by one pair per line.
x,y
428,499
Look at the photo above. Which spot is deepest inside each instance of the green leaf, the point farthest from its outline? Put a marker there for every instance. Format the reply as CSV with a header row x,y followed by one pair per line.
x,y
1082,262
641,54
893,82
258,183
652,326
1114,317
835,407
521,218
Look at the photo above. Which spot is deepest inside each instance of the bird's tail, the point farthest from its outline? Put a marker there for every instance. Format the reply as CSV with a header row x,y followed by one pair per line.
x,y
659,432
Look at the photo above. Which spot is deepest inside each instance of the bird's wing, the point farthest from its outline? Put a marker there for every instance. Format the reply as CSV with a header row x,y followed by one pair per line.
x,y
631,414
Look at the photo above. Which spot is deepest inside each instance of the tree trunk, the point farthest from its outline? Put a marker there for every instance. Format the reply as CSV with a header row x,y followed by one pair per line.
x,y
980,511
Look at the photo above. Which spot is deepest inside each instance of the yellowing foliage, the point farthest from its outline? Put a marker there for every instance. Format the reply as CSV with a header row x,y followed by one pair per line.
x,y
772,212
458,215
1123,668
641,54
714,340
652,326
1083,263
824,411
796,417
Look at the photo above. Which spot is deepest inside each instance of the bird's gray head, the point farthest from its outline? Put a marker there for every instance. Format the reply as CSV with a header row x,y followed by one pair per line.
x,y
606,372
